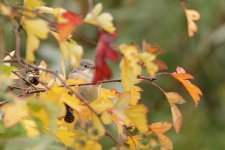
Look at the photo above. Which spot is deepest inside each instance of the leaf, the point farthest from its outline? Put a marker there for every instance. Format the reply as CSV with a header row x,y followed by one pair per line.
x,y
165,142
177,118
184,78
160,127
30,127
32,5
106,118
10,118
6,10
134,141
36,29
192,15
160,64
147,59
135,95
101,104
104,51
129,65
71,21
103,20
174,98
137,116
70,50
8,58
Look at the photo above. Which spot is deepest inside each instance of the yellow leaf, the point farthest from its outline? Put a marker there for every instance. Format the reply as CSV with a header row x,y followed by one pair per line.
x,y
148,60
135,95
177,118
30,127
36,29
192,15
134,141
104,20
101,104
106,118
66,136
97,130
184,78
130,69
160,127
90,145
174,98
70,50
137,116
31,5
14,111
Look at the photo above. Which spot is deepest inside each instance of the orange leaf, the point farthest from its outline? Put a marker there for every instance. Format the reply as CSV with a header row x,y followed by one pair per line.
x,y
160,127
66,29
165,142
177,117
184,78
174,97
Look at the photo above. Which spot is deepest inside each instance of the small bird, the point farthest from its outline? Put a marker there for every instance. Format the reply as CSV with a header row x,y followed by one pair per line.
x,y
86,71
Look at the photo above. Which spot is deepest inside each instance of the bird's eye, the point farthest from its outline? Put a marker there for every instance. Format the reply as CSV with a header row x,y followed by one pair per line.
x,y
85,66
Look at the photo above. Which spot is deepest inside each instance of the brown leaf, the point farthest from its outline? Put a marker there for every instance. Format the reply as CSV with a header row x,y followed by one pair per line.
x,y
160,127
174,98
160,64
177,117
184,78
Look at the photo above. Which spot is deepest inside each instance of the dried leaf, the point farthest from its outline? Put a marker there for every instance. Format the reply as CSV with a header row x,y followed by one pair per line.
x,y
160,127
165,142
192,15
174,98
177,117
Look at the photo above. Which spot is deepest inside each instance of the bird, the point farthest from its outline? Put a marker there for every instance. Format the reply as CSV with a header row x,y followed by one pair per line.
x,y
85,71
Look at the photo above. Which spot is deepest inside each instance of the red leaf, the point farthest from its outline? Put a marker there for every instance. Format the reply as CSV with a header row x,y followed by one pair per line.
x,y
66,29
104,51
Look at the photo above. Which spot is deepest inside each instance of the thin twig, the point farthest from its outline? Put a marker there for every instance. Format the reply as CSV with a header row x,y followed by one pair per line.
x,y
90,5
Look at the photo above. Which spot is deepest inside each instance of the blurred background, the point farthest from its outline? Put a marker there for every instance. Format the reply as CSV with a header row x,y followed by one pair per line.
x,y
163,23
